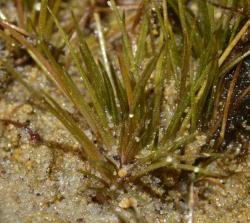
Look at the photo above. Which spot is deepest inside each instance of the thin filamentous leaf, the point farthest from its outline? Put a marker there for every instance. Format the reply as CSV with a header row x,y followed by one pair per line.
x,y
102,43
186,49
20,13
166,20
172,50
42,18
228,66
125,37
204,94
49,24
121,94
110,95
236,39
140,52
91,175
127,82
228,102
140,85
198,86
172,165
158,94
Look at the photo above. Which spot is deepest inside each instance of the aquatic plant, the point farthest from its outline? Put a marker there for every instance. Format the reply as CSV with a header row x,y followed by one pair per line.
x,y
163,51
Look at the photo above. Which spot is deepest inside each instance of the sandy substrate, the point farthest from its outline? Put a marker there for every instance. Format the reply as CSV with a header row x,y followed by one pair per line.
x,y
42,182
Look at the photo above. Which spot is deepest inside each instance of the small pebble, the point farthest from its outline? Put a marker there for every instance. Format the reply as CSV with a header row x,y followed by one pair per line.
x,y
122,172
128,203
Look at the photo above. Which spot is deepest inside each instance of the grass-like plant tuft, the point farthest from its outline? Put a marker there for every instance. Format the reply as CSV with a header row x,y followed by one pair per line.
x,y
192,45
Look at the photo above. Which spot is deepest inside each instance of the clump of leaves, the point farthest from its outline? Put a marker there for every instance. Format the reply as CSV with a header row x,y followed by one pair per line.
x,y
191,43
